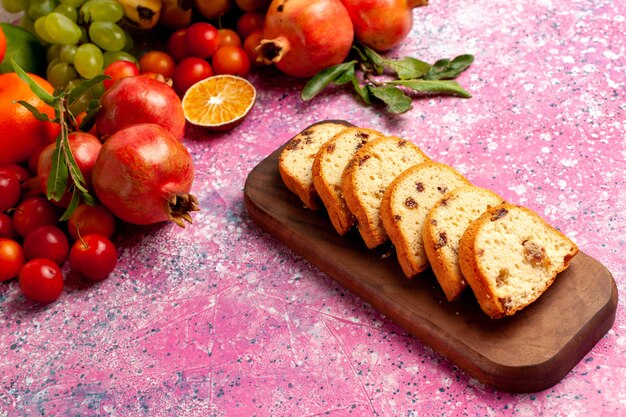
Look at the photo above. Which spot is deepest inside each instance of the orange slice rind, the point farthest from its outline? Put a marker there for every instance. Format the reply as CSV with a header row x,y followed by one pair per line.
x,y
219,102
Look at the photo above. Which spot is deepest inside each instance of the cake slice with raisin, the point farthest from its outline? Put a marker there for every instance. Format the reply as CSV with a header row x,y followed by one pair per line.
x,y
296,159
367,176
510,256
445,224
406,204
328,167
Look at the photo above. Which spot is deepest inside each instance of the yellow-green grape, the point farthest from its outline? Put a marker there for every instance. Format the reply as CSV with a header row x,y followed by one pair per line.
x,y
60,74
67,11
61,29
39,8
41,31
14,6
118,56
129,42
53,51
67,53
88,60
106,11
73,3
53,62
107,35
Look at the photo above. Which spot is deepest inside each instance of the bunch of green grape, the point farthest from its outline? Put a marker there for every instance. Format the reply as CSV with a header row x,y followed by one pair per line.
x,y
82,36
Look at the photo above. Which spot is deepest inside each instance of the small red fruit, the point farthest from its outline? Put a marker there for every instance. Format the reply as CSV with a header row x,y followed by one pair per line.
x,y
189,71
48,242
119,69
41,280
176,45
10,190
33,213
201,40
11,259
88,219
93,256
231,60
85,148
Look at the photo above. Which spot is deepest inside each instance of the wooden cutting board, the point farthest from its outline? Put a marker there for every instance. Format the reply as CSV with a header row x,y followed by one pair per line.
x,y
530,351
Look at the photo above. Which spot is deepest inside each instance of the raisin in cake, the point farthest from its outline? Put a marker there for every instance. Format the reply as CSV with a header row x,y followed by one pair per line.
x,y
367,176
328,167
443,228
510,256
406,204
296,159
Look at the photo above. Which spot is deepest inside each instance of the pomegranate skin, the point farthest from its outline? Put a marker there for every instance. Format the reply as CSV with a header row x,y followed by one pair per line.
x,y
136,100
382,24
303,37
85,148
143,175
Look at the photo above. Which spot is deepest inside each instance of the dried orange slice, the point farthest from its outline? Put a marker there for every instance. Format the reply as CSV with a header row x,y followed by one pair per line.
x,y
219,102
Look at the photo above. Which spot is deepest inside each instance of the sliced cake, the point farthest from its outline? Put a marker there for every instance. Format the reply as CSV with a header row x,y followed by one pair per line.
x,y
406,204
510,256
368,175
296,159
328,167
443,228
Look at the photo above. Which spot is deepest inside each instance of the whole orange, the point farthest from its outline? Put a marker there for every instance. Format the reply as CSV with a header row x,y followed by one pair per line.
x,y
21,133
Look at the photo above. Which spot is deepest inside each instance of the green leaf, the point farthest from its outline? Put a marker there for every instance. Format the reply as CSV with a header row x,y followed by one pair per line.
x,y
35,112
408,68
89,199
57,180
75,93
393,97
39,91
90,118
377,61
444,69
323,78
74,202
434,86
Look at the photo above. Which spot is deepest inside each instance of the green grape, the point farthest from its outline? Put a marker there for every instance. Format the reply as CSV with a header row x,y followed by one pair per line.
x,y
73,3
67,11
84,35
39,8
130,43
53,51
107,35
60,74
67,53
41,31
14,6
88,60
53,62
107,11
85,10
61,29
118,56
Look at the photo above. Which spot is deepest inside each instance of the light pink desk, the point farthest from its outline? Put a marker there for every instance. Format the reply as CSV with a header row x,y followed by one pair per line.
x,y
219,319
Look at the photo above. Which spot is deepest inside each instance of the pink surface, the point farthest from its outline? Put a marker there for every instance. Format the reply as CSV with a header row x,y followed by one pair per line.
x,y
219,319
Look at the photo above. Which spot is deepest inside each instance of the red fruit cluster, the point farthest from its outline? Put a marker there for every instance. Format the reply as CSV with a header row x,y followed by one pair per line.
x,y
35,246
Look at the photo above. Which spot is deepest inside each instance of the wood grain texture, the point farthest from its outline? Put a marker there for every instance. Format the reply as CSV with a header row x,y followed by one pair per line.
x,y
527,352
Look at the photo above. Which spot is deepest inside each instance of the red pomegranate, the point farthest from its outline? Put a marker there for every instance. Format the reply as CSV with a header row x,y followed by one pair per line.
x,y
382,24
139,99
143,174
303,37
